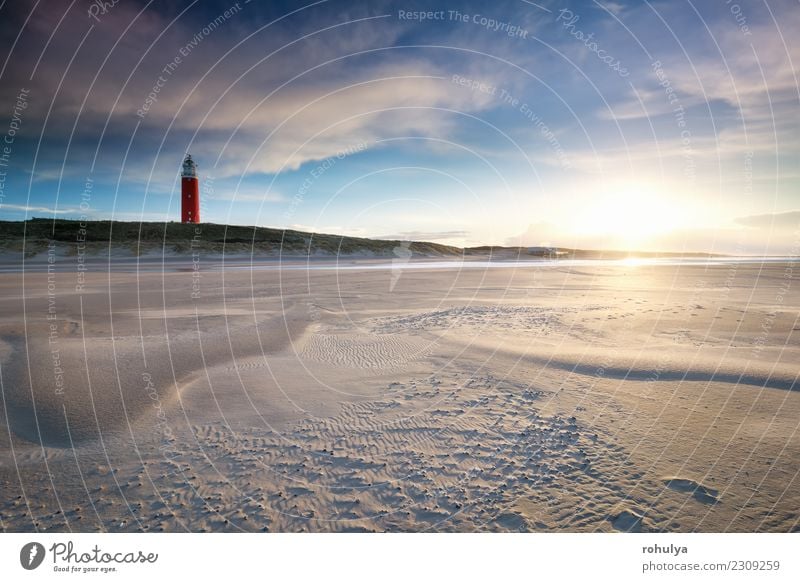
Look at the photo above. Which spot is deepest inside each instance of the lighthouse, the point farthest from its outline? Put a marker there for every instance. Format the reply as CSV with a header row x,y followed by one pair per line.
x,y
190,192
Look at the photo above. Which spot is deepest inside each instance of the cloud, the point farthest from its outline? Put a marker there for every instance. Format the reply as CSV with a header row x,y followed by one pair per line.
x,y
614,7
418,235
776,221
316,123
330,229
740,92
539,234
136,216
30,209
244,195
286,96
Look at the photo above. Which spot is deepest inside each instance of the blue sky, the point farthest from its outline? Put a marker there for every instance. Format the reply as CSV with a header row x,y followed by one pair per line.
x,y
643,125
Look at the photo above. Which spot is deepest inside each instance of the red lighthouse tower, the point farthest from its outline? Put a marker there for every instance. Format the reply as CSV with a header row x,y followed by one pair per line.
x,y
190,192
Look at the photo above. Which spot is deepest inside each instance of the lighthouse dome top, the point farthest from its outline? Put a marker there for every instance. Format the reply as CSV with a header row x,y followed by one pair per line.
x,y
189,167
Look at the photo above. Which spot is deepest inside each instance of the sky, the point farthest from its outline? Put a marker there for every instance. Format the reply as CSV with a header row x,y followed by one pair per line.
x,y
632,125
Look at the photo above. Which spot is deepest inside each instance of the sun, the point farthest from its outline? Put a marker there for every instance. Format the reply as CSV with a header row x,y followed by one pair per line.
x,y
629,215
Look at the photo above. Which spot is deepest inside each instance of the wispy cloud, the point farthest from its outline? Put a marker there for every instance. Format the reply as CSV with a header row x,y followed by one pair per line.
x,y
421,235
245,195
614,7
777,221
31,209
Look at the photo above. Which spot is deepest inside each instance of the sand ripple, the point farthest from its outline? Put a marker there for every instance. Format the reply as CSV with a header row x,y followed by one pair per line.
x,y
364,351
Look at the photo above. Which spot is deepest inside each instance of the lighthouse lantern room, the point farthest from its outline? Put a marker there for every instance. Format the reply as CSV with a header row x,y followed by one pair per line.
x,y
190,192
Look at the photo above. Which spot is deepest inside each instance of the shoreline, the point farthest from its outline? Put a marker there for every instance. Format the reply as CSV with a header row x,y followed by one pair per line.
x,y
239,261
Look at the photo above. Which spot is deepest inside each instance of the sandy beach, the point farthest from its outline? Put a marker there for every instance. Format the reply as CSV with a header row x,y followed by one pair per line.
x,y
592,397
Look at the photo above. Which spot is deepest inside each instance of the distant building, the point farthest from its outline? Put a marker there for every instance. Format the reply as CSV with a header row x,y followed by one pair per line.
x,y
190,192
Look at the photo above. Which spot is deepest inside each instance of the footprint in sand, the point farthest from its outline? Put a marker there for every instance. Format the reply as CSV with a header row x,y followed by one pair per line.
x,y
700,492
628,520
